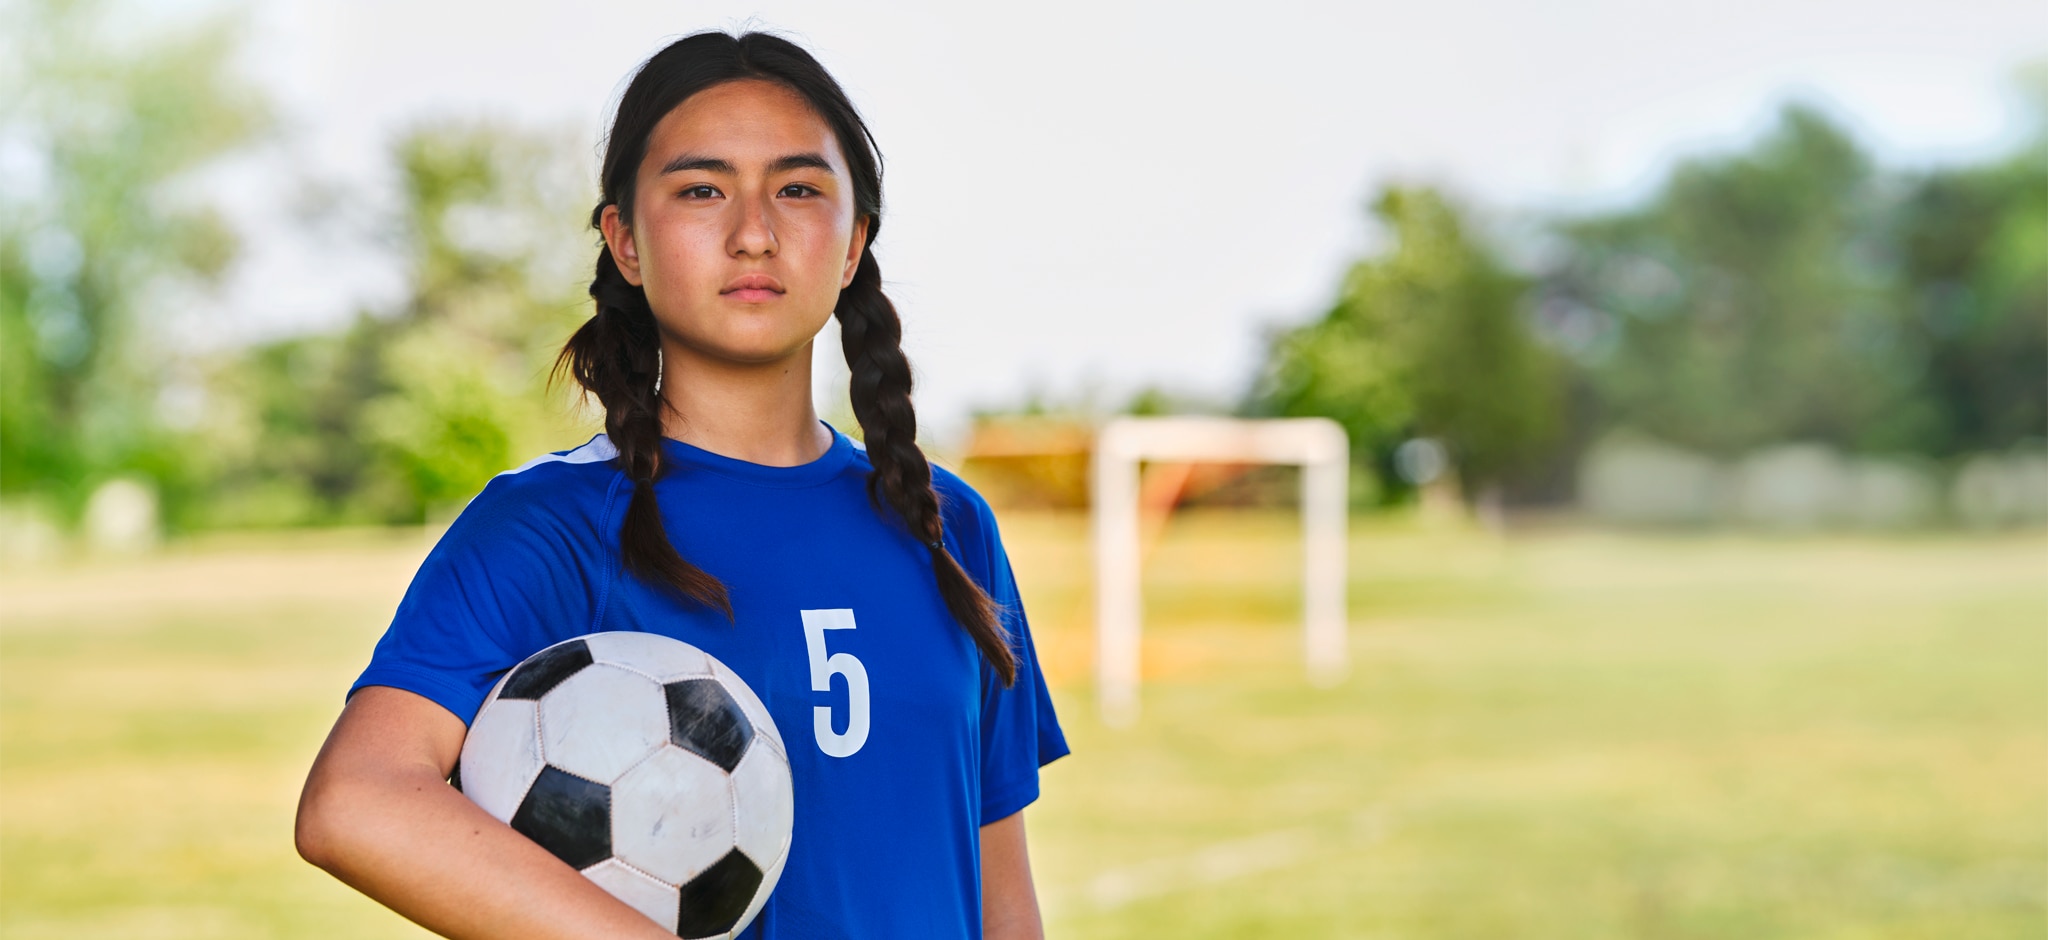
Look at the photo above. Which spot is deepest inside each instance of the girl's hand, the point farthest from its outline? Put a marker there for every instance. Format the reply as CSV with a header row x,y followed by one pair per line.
x,y
378,813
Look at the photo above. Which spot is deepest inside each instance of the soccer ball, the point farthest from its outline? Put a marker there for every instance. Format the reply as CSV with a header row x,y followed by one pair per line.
x,y
648,766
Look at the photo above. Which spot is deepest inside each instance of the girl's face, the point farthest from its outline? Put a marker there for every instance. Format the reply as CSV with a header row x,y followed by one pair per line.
x,y
744,228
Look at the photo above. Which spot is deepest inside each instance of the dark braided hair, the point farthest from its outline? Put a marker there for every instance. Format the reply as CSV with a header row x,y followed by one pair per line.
x,y
614,355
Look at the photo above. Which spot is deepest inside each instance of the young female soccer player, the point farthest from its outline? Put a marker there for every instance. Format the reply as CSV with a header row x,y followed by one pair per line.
x,y
741,195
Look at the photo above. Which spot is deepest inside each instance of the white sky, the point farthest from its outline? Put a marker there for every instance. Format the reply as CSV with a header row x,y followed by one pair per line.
x,y
1114,194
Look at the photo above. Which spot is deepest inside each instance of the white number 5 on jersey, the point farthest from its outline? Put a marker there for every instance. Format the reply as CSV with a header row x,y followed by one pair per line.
x,y
816,622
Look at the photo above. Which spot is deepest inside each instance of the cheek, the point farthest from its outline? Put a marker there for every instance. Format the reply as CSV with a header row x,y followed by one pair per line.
x,y
827,254
673,259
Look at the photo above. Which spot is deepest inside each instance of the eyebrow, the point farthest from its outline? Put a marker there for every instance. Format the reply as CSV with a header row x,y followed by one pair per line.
x,y
795,161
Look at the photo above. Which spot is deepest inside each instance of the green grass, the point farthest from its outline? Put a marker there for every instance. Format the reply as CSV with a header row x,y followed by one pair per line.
x,y
1563,734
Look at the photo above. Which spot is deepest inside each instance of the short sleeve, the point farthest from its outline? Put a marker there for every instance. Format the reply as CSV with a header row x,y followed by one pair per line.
x,y
510,576
1020,732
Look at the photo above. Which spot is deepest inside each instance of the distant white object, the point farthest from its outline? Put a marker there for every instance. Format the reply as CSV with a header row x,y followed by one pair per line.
x,y
121,518
1792,488
1318,445
1893,494
1637,481
1998,490
1633,480
1420,460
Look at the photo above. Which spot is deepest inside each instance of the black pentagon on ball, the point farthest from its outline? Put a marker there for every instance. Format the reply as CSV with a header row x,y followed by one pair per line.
x,y
703,719
545,670
569,816
713,901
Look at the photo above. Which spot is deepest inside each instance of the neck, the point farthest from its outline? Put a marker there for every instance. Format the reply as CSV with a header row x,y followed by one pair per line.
x,y
757,412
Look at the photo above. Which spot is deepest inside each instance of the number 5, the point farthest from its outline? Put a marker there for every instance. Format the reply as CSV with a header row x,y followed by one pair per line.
x,y
816,622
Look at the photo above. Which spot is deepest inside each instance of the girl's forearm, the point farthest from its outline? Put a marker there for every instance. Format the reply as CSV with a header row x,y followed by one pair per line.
x,y
387,823
1009,901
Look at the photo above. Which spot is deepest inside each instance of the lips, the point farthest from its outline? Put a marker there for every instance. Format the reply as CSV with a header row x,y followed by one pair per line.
x,y
753,288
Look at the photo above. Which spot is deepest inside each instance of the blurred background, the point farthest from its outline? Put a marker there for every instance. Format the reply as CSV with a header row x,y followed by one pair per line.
x,y
1694,359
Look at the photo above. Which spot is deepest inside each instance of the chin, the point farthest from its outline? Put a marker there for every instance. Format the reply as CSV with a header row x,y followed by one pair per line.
x,y
744,340
751,351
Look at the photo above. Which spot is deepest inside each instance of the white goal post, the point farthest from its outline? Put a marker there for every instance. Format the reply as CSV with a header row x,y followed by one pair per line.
x,y
1318,445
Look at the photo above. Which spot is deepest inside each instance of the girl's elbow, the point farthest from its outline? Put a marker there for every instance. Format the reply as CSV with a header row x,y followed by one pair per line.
x,y
316,832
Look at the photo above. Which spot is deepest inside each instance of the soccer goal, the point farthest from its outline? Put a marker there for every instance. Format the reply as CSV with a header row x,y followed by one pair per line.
x,y
1318,445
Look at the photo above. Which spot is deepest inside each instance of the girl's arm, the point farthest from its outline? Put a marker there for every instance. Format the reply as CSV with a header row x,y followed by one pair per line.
x,y
378,813
1009,903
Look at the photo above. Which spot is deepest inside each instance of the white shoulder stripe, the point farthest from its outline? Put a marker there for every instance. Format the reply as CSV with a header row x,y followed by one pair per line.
x,y
598,450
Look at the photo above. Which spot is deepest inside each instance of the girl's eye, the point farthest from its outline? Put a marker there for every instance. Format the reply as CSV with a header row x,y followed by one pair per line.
x,y
699,191
798,189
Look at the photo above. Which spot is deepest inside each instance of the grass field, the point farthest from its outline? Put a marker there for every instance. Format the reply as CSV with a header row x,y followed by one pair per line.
x,y
1562,734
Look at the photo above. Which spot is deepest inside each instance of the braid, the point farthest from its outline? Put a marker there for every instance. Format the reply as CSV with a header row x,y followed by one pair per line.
x,y
880,389
615,356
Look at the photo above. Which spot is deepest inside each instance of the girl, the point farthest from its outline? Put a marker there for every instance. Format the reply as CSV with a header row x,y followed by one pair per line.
x,y
741,196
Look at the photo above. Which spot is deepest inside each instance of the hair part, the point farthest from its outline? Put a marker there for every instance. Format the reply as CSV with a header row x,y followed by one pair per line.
x,y
614,356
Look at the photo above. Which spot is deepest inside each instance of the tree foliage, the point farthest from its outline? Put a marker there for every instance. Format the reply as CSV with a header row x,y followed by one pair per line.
x,y
1973,296
1795,293
1424,340
415,408
1792,291
97,240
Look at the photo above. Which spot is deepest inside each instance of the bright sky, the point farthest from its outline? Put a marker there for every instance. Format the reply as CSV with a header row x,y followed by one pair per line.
x,y
1084,193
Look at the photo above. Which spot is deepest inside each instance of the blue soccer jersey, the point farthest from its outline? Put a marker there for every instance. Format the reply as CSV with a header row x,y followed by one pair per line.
x,y
892,792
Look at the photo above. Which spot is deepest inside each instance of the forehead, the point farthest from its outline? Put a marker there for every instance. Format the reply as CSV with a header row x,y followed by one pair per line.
x,y
741,121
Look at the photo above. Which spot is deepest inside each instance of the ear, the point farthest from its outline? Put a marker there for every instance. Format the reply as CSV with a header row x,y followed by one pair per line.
x,y
618,238
854,249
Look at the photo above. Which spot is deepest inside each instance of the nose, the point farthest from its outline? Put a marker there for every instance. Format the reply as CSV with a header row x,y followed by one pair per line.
x,y
752,235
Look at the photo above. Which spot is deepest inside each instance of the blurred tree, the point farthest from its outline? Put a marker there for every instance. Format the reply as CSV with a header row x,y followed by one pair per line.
x,y
1973,261
1794,292
1426,340
1729,312
1745,304
98,127
413,409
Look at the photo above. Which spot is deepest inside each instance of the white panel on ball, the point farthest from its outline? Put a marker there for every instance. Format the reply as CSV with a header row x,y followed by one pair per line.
x,y
660,658
757,713
767,809
672,816
640,891
501,757
601,721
